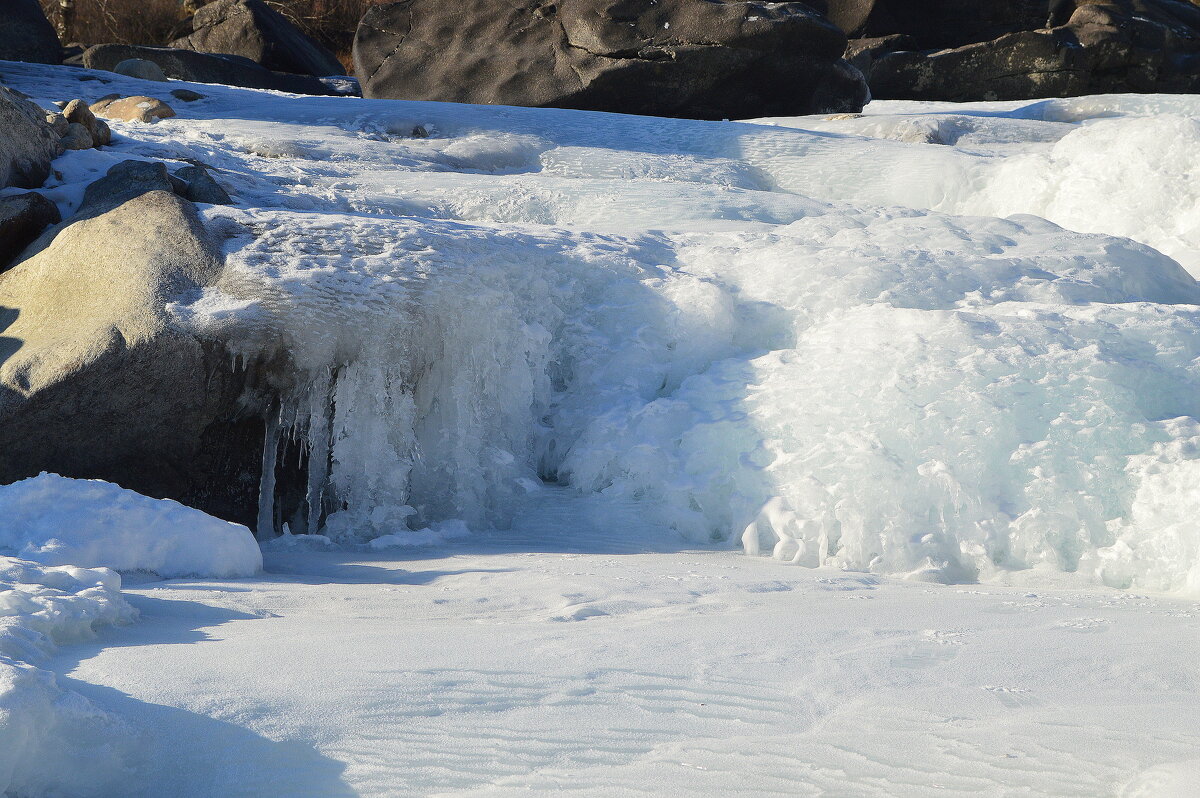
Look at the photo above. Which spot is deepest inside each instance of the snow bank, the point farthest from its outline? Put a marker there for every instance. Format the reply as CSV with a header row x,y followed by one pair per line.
x,y
53,520
54,741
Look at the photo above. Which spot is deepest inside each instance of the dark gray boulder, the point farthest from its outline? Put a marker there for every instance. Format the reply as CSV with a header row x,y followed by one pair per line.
x,y
230,70
201,187
937,24
26,34
23,217
1105,47
27,141
691,58
251,29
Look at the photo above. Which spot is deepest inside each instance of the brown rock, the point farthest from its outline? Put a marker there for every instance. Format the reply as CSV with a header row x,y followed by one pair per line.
x,y
133,109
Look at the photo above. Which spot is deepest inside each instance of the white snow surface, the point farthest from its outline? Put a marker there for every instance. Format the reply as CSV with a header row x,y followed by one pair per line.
x,y
934,343
53,520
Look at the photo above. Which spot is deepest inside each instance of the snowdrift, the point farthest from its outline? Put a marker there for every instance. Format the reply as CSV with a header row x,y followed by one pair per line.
x,y
53,520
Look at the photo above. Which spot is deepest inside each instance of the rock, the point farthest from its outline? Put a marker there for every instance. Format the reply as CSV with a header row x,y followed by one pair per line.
x,y
22,219
123,182
186,95
1106,47
102,133
79,112
98,379
77,137
134,109
686,58
26,34
58,122
201,187
253,30
230,70
27,142
140,68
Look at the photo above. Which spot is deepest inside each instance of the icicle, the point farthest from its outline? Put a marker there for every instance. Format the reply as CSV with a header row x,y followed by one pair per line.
x,y
266,486
319,423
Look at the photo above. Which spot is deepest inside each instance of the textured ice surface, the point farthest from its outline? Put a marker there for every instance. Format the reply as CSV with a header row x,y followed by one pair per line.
x,y
53,520
772,335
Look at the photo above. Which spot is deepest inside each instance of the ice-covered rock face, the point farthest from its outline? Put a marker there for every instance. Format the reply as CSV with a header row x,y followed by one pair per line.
x,y
767,336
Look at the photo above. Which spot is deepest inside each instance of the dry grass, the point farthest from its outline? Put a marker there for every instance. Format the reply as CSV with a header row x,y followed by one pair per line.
x,y
156,22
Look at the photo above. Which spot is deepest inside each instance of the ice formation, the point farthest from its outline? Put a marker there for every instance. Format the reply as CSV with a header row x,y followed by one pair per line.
x,y
814,337
52,520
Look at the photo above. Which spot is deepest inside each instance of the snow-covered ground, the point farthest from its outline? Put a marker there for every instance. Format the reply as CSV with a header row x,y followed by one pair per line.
x,y
569,363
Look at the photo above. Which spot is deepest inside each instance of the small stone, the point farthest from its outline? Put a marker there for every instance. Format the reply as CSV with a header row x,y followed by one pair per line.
x,y
134,109
78,112
187,95
140,68
58,122
77,137
103,133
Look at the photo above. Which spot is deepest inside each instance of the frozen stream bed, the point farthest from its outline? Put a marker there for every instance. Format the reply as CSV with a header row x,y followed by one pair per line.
x,y
846,456
482,669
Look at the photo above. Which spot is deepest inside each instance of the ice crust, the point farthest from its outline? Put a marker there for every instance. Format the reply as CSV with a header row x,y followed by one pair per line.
x,y
876,388
53,520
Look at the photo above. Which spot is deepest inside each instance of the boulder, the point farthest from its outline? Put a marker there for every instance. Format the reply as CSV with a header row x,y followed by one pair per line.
x,y
77,137
251,29
937,24
27,142
140,68
1105,47
125,181
201,187
230,70
22,219
26,34
692,58
97,378
133,109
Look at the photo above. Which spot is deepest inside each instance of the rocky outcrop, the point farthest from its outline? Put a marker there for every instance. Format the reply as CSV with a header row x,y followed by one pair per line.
x,y
27,141
685,58
1104,47
230,70
98,380
26,34
22,219
253,30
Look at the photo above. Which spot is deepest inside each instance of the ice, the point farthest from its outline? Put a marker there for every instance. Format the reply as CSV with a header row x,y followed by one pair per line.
x,y
53,520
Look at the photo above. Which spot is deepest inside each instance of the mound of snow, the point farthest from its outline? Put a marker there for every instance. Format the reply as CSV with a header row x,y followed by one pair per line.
x,y
53,520
54,741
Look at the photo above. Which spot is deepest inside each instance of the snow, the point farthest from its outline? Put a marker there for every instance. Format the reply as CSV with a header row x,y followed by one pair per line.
x,y
53,520
564,365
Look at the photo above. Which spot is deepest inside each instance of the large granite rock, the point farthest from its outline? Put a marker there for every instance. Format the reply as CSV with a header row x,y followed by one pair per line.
x,y
1104,47
230,70
253,30
27,141
97,379
26,34
692,58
